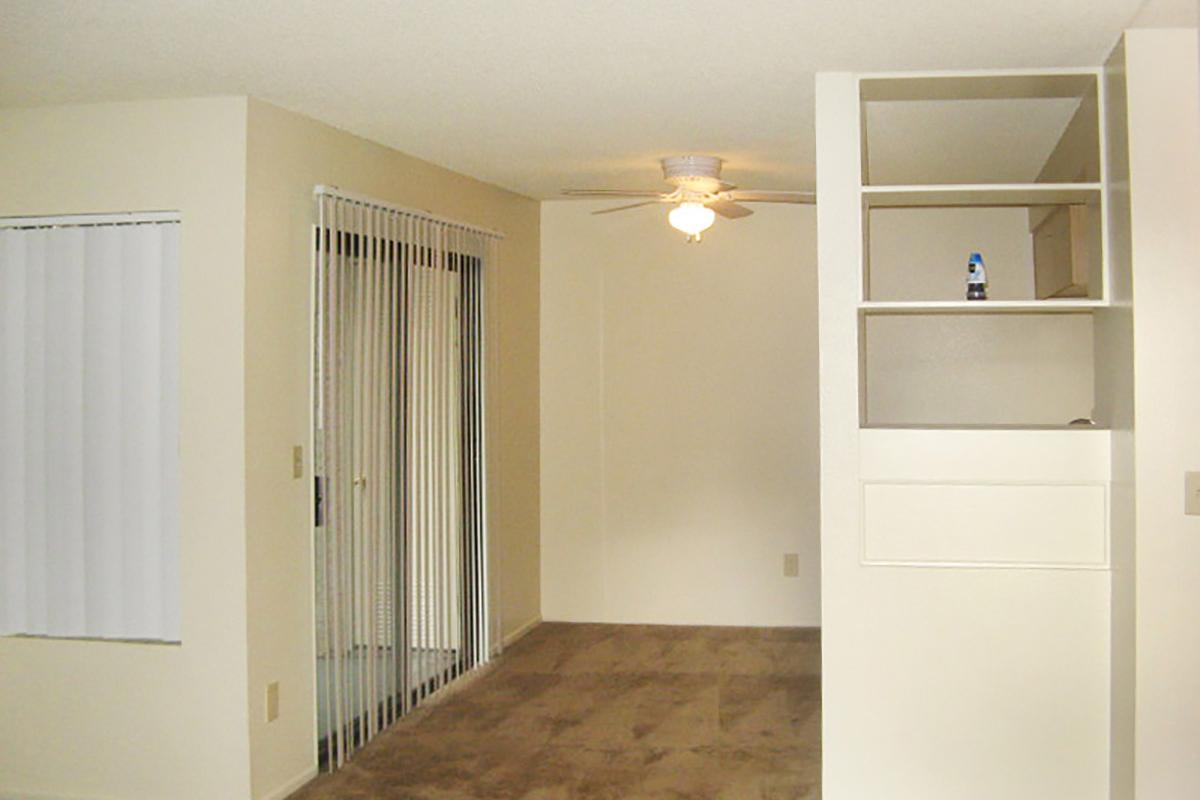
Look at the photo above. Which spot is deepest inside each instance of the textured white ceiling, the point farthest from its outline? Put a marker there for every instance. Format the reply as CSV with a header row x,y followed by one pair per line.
x,y
537,96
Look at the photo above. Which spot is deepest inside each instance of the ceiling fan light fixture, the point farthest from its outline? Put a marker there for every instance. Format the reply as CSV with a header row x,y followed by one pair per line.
x,y
691,218
699,195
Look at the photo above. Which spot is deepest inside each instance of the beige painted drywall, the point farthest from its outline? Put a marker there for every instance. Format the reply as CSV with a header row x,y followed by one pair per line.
x,y
921,253
572,406
995,369
1164,191
287,155
88,719
679,448
95,719
1166,14
962,141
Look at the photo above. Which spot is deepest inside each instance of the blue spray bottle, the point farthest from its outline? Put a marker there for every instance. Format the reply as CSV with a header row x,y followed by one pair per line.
x,y
976,278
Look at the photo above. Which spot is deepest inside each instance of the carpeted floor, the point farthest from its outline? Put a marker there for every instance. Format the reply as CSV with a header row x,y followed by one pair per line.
x,y
611,712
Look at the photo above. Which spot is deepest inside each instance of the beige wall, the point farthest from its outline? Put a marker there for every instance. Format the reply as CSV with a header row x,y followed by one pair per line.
x,y
144,722
994,369
93,719
572,404
1164,190
921,253
287,155
679,455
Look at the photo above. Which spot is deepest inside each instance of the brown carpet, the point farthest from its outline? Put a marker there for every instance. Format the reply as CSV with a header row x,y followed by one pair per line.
x,y
611,712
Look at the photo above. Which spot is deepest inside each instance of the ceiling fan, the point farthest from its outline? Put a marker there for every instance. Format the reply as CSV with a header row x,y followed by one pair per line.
x,y
699,195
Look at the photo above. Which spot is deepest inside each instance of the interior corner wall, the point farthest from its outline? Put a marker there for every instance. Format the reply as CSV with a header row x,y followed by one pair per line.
x,y
679,418
1164,188
288,155
90,719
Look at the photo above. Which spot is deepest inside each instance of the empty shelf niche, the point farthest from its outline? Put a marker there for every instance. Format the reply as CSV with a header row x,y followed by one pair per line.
x,y
981,129
1030,252
977,370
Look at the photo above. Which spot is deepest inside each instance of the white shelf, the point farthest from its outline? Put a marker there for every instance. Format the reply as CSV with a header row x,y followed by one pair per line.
x,y
983,194
1016,427
977,84
1074,306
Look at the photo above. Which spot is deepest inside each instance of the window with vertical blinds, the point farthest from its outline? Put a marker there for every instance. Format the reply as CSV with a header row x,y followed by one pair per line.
x,y
402,568
89,426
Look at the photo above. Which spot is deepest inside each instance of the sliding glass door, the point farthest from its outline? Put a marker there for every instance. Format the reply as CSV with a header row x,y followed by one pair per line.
x,y
400,524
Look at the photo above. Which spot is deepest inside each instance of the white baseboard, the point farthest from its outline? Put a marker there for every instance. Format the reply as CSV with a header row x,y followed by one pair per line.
x,y
279,793
283,791
511,638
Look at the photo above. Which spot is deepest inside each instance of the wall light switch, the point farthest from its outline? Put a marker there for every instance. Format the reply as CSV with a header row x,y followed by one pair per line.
x,y
1191,493
791,565
272,701
298,461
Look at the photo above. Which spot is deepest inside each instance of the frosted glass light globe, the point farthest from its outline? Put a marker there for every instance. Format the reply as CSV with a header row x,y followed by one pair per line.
x,y
691,218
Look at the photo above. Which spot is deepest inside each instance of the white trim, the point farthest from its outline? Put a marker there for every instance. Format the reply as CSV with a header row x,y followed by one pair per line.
x,y
287,788
1020,72
362,199
1102,141
1049,306
512,638
88,220
978,195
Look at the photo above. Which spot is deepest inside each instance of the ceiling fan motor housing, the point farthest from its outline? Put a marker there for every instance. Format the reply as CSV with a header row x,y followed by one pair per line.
x,y
694,173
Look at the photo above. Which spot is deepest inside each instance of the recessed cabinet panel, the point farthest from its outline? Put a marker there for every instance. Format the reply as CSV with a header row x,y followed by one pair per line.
x,y
985,524
984,456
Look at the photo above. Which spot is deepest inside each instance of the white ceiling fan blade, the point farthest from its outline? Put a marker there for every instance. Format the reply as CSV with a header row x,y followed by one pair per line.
x,y
766,196
610,193
729,209
631,205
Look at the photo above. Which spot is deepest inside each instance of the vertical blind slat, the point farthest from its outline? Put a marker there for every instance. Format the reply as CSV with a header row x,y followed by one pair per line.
x,y
13,541
401,593
89,430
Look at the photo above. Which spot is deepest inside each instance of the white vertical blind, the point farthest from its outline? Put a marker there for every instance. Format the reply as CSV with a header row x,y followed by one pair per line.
x,y
89,427
401,536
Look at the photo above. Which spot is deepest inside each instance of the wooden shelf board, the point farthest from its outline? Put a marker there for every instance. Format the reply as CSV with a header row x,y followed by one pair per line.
x,y
983,194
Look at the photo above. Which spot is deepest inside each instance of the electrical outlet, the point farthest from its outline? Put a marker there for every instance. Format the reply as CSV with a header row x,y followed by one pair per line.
x,y
1191,493
272,701
298,461
791,565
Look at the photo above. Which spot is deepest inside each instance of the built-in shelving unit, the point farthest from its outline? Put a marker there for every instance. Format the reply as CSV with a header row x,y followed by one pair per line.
x,y
968,447
954,362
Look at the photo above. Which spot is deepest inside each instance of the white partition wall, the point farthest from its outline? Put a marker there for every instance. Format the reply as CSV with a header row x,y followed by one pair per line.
x,y
1164,195
967,447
